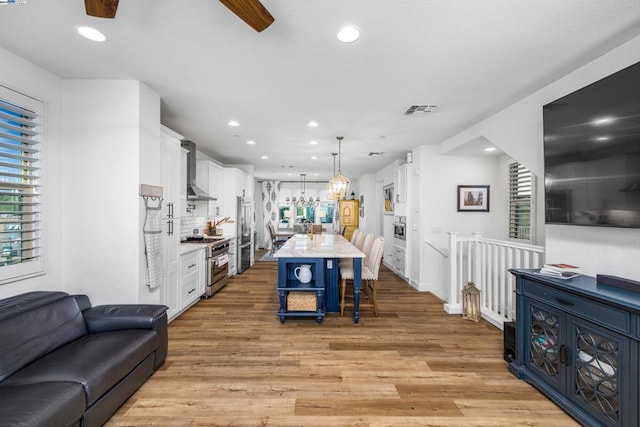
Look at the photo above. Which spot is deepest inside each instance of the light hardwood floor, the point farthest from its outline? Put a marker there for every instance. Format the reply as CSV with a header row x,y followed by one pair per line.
x,y
232,363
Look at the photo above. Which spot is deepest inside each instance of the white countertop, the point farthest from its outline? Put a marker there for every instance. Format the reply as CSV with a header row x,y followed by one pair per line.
x,y
321,246
186,248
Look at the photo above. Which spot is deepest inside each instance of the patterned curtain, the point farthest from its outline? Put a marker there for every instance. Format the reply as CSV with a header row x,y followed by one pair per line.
x,y
270,195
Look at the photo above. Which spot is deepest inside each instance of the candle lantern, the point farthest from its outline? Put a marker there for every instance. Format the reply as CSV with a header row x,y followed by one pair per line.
x,y
471,302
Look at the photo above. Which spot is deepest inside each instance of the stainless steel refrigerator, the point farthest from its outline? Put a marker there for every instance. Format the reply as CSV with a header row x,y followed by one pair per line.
x,y
244,234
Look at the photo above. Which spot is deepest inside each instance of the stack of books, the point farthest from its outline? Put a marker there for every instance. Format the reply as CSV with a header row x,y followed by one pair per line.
x,y
560,271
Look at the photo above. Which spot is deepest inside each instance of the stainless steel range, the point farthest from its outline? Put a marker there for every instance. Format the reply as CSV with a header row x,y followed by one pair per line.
x,y
217,266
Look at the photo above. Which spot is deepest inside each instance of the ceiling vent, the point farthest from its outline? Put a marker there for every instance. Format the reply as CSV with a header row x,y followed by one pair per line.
x,y
376,153
420,109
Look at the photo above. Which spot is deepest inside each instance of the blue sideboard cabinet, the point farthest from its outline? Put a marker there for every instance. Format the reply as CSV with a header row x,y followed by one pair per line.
x,y
577,341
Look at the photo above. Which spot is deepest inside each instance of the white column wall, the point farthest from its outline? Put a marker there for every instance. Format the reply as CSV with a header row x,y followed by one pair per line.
x,y
106,133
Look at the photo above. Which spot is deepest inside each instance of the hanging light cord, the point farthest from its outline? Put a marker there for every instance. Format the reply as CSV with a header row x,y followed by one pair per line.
x,y
339,138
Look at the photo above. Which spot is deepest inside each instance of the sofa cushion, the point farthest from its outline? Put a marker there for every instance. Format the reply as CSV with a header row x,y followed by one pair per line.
x,y
97,361
44,404
33,329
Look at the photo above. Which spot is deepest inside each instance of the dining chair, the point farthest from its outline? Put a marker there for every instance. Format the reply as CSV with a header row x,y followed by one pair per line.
x,y
276,241
370,270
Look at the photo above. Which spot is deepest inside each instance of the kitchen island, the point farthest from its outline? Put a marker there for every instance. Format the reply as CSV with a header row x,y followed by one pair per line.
x,y
322,253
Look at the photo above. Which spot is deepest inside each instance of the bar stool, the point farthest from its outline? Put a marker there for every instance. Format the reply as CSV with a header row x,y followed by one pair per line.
x,y
370,270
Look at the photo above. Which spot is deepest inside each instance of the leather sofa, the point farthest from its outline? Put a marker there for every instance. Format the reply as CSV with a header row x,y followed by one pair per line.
x,y
66,363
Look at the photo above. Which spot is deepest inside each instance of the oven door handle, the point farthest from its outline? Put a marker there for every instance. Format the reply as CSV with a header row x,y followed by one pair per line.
x,y
221,260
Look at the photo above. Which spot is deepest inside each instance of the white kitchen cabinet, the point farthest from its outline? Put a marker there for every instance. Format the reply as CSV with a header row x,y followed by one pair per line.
x,y
233,257
191,278
172,163
398,260
210,178
402,173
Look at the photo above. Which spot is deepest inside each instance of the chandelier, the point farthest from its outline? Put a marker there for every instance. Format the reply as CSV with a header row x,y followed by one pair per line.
x,y
339,184
302,201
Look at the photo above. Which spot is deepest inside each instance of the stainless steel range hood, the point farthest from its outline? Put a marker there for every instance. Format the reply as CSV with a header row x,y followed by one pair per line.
x,y
193,192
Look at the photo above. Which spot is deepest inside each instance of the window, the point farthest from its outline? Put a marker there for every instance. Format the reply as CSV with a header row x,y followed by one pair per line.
x,y
20,223
520,202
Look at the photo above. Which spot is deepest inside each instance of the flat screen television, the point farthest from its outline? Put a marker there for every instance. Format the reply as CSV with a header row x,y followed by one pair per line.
x,y
592,154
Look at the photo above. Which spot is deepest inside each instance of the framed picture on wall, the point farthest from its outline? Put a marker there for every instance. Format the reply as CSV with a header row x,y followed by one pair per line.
x,y
473,198
388,199
361,206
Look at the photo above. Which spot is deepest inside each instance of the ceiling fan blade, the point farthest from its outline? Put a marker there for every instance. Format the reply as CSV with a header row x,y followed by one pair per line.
x,y
250,11
101,8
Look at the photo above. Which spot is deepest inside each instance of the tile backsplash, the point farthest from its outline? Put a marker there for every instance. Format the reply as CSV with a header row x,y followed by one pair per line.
x,y
189,223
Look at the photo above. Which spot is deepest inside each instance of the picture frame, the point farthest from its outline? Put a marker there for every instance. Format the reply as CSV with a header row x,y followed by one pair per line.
x,y
473,198
361,206
388,199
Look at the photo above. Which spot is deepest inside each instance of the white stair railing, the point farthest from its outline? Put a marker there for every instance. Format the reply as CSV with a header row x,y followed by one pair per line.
x,y
486,262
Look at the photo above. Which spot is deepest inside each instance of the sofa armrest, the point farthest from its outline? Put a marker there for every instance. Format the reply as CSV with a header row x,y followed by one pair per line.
x,y
83,302
122,316
105,318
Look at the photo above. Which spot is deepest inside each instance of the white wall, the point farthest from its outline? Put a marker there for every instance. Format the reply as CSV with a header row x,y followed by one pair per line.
x,y
370,222
108,129
22,76
518,131
436,197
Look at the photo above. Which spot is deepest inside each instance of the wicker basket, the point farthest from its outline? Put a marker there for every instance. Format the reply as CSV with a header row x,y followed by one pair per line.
x,y
301,301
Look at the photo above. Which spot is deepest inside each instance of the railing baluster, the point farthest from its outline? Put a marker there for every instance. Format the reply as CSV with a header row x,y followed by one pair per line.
x,y
486,262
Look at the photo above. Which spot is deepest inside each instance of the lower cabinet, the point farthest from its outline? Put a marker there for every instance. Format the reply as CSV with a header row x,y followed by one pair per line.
x,y
191,286
578,349
398,260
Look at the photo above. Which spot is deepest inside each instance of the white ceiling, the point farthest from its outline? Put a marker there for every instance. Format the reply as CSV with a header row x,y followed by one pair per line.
x,y
470,58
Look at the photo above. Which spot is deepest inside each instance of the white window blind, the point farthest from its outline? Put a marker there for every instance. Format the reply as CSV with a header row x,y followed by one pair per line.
x,y
20,221
520,201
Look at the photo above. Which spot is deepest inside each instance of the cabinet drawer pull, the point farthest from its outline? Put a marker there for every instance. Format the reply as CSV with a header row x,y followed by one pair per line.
x,y
191,291
564,355
565,301
191,266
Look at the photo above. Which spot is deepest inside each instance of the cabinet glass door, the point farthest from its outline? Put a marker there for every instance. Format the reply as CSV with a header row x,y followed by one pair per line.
x,y
542,348
595,382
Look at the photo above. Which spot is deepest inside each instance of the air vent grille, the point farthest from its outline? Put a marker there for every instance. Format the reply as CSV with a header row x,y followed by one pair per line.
x,y
420,109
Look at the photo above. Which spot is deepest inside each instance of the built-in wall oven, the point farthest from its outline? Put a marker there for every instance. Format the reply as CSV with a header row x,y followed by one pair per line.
x,y
217,266
400,228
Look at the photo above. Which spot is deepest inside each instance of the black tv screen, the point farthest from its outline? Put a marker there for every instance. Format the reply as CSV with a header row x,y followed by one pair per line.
x,y
592,153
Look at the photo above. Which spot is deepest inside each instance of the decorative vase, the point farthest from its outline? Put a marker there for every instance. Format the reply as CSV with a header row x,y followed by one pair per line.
x,y
303,273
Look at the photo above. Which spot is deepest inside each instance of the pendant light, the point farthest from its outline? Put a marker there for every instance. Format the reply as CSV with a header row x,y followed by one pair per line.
x,y
330,196
339,183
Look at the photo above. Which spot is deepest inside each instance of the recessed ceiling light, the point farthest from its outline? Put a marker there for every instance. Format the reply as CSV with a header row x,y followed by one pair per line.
x,y
314,157
312,124
313,142
488,149
348,34
602,138
251,142
90,33
233,123
264,157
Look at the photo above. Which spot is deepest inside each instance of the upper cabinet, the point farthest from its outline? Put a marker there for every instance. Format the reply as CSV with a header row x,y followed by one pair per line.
x,y
401,190
401,184
174,193
210,178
